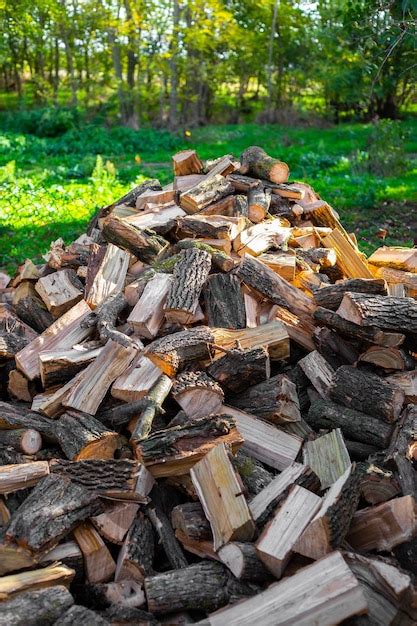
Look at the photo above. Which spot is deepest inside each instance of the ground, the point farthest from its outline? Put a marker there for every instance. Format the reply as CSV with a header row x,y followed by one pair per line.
x,y
50,187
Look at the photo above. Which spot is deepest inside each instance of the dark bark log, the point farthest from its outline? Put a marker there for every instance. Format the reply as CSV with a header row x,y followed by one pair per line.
x,y
11,343
220,260
78,614
129,616
377,485
406,555
13,416
404,441
145,244
225,307
153,407
31,310
354,424
55,506
10,456
366,392
385,312
242,183
331,297
317,257
104,318
209,190
258,203
206,586
209,227
359,451
173,352
25,440
189,276
197,394
334,348
190,519
255,162
41,607
136,556
82,436
167,538
239,369
275,400
253,474
242,560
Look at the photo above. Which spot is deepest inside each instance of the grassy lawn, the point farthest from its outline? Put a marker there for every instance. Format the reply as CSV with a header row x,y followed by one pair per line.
x,y
50,188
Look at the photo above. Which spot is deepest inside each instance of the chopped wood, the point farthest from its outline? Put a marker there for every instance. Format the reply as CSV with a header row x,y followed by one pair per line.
x,y
109,277
258,203
25,440
209,190
197,394
14,584
144,243
137,553
398,258
388,359
19,387
210,226
81,436
275,400
148,314
240,368
155,217
98,561
41,606
21,476
189,276
243,561
225,307
256,162
259,238
60,291
58,366
116,520
136,381
186,162
328,457
318,371
378,485
282,263
190,519
349,259
384,312
407,381
30,307
331,296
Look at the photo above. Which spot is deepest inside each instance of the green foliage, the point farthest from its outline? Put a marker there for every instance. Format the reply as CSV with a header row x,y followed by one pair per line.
x,y
385,150
44,122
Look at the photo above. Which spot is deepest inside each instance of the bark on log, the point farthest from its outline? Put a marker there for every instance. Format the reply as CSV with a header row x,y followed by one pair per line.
x,y
136,556
41,607
153,406
253,474
334,348
385,312
197,394
145,244
238,369
78,614
243,562
204,193
331,297
189,276
258,203
224,302
81,436
190,519
220,259
275,400
25,440
255,162
104,318
12,417
167,538
30,308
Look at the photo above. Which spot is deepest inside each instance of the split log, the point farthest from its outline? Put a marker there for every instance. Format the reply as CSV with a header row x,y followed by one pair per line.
x,y
223,165
173,451
15,584
114,523
349,259
173,352
366,392
25,440
267,500
63,334
93,383
377,485
404,441
388,359
99,564
54,507
104,318
353,424
243,561
331,296
396,277
318,371
275,400
60,291
276,543
220,494
126,594
384,312
153,405
30,308
144,243
203,548
33,608
197,394
210,226
273,336
21,476
190,519
155,217
253,473
328,527
59,366
204,193
129,199
317,257
385,526
224,302
13,558
204,584
78,614
159,197
397,258
407,381
50,402
220,259
336,350
325,593
256,162
259,238
238,368
265,442
186,162
69,554
167,538
135,383
148,314
10,342
12,417
282,263
328,457
81,436
136,556
109,277
258,203
189,276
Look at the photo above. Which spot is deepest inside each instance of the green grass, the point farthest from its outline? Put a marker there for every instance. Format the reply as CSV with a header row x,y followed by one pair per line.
x,y
50,187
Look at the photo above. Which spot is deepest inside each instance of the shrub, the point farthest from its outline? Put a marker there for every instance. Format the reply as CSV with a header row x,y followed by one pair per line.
x,y
385,150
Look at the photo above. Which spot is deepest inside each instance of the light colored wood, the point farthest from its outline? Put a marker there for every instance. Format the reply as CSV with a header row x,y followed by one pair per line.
x,y
114,523
110,276
223,245
397,258
407,381
156,216
252,307
51,402
58,291
187,181
13,558
25,440
53,361
276,543
197,394
211,226
136,381
221,497
69,549
148,314
202,548
300,330
63,334
161,197
212,188
325,594
265,442
257,239
35,579
282,263
21,476
186,162
26,271
8,317
327,456
394,277
98,561
385,526
349,259
318,371
87,393
272,335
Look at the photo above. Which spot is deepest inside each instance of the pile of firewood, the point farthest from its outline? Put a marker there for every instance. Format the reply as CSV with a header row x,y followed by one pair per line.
x,y
211,391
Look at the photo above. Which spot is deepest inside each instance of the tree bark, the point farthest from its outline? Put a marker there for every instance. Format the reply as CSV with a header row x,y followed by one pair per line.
x,y
225,306
42,607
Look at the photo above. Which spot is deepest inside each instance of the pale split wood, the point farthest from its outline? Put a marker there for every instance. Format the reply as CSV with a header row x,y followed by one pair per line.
x,y
348,258
99,563
60,291
148,314
21,476
110,276
35,579
395,257
318,371
136,381
327,456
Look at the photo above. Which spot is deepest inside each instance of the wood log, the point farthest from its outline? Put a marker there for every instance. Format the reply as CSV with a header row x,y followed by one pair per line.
x,y
22,475
353,424
265,442
30,308
210,226
398,258
155,216
197,394
50,402
407,381
238,368
10,342
223,165
109,277
266,501
81,436
384,312
14,558
282,263
148,314
220,259
224,302
204,193
318,371
335,350
158,197
276,543
64,333
331,296
377,485
404,440
396,277
167,538
32,608
272,335
190,519
186,162
99,564
349,259
389,359
203,548
326,592
189,276
135,560
299,329
136,382
243,561
126,594
153,405
15,584
173,451
258,203
78,614
60,291
256,162
317,257
129,199
25,440
259,238
385,526
114,523
104,318
144,243
92,385
221,497
328,457
275,400
68,553
12,417
204,584
54,507
57,367
366,392
328,527
253,473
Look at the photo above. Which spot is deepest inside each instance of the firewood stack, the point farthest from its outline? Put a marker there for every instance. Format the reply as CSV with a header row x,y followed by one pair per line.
x,y
209,413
